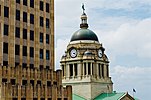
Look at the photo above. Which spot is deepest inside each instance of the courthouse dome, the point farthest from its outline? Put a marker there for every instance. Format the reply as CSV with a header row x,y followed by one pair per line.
x,y
84,34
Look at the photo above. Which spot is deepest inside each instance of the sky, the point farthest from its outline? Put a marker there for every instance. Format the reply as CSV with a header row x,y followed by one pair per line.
x,y
124,29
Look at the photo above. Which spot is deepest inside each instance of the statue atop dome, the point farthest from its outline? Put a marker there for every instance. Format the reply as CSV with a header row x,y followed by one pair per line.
x,y
83,7
83,19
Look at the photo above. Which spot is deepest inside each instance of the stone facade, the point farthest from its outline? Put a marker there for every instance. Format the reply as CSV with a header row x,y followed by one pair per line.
x,y
27,52
32,84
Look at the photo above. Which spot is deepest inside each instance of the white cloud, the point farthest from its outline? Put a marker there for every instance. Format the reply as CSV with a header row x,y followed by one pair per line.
x,y
130,38
126,78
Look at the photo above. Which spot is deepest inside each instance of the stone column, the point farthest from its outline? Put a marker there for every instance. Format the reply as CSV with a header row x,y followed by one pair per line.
x,y
28,75
97,70
80,69
45,92
19,92
86,68
8,74
105,70
11,36
83,69
91,68
1,31
38,92
3,92
67,71
1,74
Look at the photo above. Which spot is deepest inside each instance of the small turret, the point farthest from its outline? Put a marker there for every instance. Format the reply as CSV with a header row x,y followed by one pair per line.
x,y
83,19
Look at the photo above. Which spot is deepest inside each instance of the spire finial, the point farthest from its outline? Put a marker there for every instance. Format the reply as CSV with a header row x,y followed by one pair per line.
x,y
83,7
83,18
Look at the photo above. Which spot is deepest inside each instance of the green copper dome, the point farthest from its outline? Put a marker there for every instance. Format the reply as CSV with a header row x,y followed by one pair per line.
x,y
84,34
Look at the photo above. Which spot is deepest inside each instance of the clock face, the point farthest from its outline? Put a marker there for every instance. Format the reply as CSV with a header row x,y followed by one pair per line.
x,y
100,53
73,53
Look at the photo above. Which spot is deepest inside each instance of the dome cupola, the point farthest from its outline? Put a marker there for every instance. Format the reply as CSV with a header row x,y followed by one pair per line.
x,y
84,33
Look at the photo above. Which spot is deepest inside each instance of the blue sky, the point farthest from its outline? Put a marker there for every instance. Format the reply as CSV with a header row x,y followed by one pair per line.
x,y
124,29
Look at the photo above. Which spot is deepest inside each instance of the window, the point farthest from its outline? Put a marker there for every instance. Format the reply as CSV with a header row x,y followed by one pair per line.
x,y
17,15
13,81
32,3
47,23
6,11
16,64
31,19
32,82
49,83
85,68
47,38
31,66
41,37
0,10
47,7
5,47
75,69
5,63
41,5
47,54
24,16
107,69
17,1
63,74
71,69
17,50
41,21
41,53
24,33
31,52
17,32
24,50
41,67
89,68
6,29
24,65
31,35
47,67
102,66
25,2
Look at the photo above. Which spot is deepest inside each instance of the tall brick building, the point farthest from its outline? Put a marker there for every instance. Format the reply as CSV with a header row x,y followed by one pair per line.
x,y
27,52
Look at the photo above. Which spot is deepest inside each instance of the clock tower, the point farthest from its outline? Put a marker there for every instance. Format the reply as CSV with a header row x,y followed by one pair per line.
x,y
85,65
